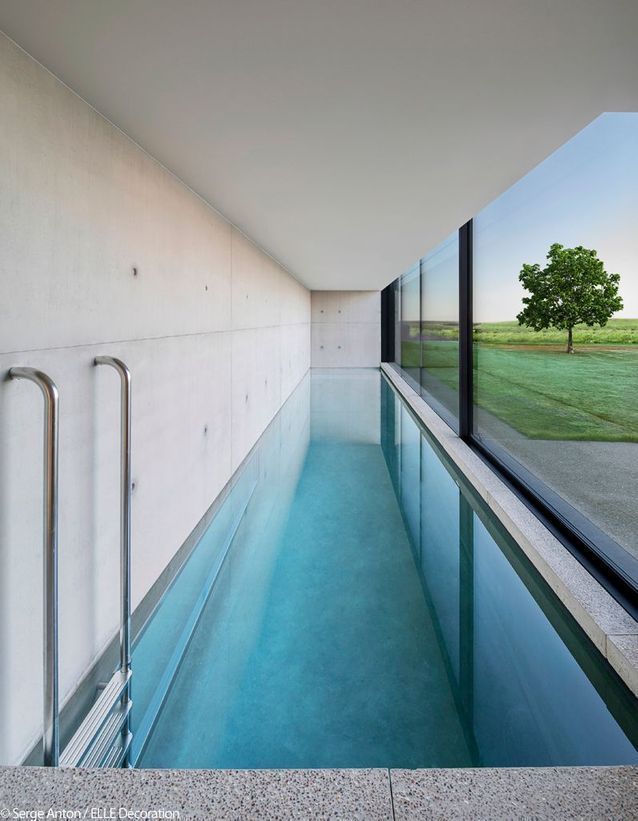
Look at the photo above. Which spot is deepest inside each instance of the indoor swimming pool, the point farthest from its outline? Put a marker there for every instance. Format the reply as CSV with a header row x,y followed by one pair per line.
x,y
353,604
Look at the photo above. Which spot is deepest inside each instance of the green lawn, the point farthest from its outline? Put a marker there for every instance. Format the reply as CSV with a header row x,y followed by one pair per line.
x,y
547,394
543,392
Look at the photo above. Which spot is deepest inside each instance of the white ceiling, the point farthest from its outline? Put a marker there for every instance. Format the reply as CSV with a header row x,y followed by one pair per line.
x,y
347,137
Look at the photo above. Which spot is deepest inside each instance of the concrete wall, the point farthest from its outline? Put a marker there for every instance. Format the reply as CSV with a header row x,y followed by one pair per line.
x,y
346,329
216,333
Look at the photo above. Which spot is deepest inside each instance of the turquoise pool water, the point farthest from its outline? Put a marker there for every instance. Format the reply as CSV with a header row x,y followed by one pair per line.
x,y
353,605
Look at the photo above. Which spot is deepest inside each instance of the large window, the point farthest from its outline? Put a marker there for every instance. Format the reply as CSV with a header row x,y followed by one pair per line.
x,y
569,419
544,377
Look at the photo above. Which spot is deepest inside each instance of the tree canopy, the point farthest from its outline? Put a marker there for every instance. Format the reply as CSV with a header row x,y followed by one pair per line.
x,y
573,288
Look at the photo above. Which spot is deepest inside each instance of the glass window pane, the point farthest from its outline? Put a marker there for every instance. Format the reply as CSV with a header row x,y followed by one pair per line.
x,y
397,320
566,421
409,350
440,328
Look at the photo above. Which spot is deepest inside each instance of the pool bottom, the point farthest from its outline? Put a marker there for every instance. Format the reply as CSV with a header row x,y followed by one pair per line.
x,y
303,694
368,618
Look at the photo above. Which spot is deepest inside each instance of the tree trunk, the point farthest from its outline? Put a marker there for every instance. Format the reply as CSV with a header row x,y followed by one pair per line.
x,y
570,341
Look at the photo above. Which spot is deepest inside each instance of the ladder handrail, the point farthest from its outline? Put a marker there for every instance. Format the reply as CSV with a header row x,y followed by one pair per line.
x,y
125,518
51,721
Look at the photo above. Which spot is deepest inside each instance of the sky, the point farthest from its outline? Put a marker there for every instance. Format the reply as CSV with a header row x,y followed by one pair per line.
x,y
585,193
440,286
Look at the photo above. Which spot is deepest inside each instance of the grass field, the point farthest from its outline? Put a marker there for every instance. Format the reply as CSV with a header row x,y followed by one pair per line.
x,y
540,391
616,332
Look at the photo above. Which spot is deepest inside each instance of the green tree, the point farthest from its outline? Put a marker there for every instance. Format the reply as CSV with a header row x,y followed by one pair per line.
x,y
572,288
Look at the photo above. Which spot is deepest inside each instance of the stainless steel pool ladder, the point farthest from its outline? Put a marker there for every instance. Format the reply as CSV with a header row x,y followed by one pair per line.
x,y
103,738
51,725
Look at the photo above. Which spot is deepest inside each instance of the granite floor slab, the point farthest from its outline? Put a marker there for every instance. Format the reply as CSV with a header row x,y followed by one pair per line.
x,y
552,793
556,793
197,794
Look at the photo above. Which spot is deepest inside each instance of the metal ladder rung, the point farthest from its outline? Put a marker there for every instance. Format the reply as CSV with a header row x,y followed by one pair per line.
x,y
95,719
102,746
117,754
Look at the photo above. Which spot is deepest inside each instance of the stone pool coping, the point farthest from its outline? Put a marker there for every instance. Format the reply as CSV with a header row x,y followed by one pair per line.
x,y
607,623
393,795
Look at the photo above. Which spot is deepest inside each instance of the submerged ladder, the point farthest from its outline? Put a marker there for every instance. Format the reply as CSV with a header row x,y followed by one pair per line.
x,y
104,737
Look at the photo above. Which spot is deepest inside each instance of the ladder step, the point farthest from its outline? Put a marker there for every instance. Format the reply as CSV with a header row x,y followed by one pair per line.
x,y
109,737
98,718
116,755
